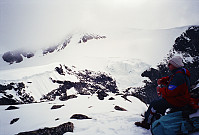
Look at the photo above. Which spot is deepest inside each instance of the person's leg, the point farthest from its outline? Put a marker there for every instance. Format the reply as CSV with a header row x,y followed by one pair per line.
x,y
157,106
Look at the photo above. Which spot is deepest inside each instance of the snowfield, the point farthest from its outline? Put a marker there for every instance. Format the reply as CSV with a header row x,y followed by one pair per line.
x,y
105,119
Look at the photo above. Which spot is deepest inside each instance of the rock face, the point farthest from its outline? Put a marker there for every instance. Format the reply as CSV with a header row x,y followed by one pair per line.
x,y
59,130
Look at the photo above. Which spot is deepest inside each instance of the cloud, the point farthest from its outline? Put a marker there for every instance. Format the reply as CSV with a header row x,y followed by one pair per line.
x,y
40,23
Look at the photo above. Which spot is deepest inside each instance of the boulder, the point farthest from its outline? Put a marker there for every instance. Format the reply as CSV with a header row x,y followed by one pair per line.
x,y
12,108
14,120
119,108
79,116
59,130
101,94
111,98
56,107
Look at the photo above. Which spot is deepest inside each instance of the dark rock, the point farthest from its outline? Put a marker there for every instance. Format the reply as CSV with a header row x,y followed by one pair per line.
x,y
72,96
101,94
50,49
30,55
119,108
56,119
16,56
14,120
12,108
59,130
12,57
8,101
87,37
57,47
56,106
125,97
6,87
8,95
79,116
111,98
60,70
65,97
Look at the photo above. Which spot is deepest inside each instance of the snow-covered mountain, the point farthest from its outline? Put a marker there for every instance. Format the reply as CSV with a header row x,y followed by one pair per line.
x,y
114,53
81,75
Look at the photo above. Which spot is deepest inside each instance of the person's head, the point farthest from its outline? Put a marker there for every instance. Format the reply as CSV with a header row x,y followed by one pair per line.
x,y
175,62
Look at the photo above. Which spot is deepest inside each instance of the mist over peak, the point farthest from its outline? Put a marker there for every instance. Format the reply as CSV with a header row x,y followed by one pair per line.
x,y
24,27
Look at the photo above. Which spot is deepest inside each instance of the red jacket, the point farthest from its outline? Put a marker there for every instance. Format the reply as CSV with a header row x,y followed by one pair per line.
x,y
177,85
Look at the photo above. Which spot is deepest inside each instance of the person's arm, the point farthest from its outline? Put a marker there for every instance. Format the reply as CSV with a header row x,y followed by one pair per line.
x,y
163,80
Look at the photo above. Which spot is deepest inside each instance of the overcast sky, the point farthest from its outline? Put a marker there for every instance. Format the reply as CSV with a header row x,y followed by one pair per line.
x,y
36,23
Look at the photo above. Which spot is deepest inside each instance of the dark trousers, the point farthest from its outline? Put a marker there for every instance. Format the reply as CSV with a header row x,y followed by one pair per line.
x,y
157,106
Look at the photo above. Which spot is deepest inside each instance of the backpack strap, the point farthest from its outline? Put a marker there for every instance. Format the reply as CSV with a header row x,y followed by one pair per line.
x,y
187,78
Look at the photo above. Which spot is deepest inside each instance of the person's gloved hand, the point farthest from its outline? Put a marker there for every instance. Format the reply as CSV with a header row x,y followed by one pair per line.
x,y
160,90
159,81
163,80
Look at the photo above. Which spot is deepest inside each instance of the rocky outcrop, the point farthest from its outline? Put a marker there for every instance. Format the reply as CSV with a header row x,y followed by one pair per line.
x,y
87,37
16,56
90,82
58,47
8,101
59,130
20,91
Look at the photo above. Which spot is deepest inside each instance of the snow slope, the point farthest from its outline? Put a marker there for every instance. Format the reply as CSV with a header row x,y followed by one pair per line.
x,y
105,119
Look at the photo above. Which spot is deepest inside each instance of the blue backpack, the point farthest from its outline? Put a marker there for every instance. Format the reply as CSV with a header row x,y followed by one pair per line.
x,y
175,124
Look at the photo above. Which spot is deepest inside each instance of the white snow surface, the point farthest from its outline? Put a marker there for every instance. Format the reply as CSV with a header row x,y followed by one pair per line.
x,y
105,119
